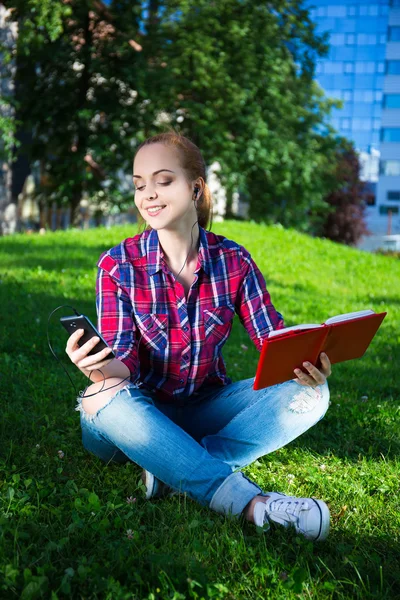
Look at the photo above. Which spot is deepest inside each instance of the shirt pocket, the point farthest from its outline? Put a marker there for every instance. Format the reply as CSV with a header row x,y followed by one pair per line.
x,y
154,330
217,324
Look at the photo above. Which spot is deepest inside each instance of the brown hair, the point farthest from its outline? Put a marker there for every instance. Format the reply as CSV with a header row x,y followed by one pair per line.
x,y
193,165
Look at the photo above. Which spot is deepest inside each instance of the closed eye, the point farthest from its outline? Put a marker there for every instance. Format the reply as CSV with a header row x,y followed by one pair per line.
x,y
159,183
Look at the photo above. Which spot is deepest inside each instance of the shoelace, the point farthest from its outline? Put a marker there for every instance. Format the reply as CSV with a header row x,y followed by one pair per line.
x,y
286,510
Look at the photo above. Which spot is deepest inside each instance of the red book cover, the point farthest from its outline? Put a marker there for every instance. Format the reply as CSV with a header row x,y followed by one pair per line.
x,y
343,340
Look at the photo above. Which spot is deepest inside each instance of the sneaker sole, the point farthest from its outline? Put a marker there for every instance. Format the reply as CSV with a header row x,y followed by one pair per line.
x,y
325,520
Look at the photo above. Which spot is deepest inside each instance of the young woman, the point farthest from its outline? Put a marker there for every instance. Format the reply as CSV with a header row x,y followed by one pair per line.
x,y
165,301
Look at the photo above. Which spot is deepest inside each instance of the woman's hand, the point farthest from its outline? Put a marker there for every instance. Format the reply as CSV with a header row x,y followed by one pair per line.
x,y
79,354
315,376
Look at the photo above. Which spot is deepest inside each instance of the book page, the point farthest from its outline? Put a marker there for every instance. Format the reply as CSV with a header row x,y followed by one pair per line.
x,y
276,332
347,316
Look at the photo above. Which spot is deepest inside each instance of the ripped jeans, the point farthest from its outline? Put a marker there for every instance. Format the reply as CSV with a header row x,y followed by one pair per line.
x,y
198,448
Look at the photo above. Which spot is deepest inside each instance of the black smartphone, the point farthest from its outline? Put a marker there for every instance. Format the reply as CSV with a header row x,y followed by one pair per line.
x,y
72,324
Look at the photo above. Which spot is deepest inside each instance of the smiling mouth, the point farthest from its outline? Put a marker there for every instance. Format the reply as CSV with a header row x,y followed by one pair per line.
x,y
155,211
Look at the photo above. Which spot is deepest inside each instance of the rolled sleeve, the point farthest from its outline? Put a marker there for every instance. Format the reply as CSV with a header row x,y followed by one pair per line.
x,y
253,306
114,314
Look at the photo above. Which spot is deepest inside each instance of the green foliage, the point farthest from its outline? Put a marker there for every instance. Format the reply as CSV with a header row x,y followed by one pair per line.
x,y
235,76
66,527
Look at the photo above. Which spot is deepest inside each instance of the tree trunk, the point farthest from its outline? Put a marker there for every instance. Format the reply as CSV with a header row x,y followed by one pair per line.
x,y
81,144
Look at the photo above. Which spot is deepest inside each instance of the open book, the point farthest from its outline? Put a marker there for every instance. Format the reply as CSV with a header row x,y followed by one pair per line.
x,y
342,337
330,321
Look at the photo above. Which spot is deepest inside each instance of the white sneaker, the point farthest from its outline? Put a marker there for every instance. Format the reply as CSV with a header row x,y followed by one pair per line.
x,y
154,487
309,517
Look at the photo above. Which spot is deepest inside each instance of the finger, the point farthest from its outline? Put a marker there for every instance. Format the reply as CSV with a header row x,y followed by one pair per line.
x,y
305,379
326,364
72,342
81,352
315,373
93,359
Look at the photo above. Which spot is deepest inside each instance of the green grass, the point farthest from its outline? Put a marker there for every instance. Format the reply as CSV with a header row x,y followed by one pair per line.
x,y
64,520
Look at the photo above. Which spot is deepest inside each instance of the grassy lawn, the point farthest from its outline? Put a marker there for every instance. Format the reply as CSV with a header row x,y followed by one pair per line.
x,y
64,515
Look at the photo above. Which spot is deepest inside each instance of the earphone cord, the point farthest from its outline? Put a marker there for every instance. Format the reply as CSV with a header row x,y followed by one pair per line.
x,y
191,235
81,393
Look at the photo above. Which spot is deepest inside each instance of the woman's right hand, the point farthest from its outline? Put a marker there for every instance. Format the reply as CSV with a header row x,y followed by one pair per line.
x,y
79,354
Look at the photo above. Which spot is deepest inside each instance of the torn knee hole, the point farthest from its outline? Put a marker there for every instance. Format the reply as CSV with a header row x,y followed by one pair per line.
x,y
305,400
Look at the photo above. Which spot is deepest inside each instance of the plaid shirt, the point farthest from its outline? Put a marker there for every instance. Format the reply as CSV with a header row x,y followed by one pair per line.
x,y
171,345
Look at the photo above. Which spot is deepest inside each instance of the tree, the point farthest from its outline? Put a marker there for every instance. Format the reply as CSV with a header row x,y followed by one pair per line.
x,y
235,76
241,79
345,222
74,93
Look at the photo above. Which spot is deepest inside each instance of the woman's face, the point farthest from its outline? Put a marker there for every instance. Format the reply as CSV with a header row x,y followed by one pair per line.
x,y
160,182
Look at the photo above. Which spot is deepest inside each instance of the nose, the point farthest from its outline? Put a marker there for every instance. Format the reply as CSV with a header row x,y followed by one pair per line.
x,y
151,194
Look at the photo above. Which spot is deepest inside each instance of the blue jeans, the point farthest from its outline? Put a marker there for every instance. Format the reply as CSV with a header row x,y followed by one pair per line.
x,y
198,448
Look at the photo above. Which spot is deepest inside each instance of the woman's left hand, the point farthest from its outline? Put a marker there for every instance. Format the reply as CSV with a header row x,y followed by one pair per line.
x,y
315,376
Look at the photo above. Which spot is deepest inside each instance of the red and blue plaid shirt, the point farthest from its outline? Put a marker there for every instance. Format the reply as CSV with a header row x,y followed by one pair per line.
x,y
172,345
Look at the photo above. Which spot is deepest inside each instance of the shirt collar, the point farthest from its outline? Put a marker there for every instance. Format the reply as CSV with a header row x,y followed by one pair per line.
x,y
155,254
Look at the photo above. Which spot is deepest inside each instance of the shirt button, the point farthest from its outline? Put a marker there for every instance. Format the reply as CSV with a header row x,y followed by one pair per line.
x,y
181,380
185,328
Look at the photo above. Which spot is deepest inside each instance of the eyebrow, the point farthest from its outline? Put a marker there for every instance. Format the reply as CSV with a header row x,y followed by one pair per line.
x,y
155,173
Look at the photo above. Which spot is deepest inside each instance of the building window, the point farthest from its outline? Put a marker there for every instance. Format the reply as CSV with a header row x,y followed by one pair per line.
x,y
381,67
350,39
345,123
369,10
376,123
363,96
384,209
349,67
337,39
366,39
393,67
335,68
392,101
393,195
347,95
384,10
382,38
336,11
390,167
352,11
361,124
394,34
321,11
378,96
390,134
365,67
370,198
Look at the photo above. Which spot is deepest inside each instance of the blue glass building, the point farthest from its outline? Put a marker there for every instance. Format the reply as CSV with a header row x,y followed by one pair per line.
x,y
363,70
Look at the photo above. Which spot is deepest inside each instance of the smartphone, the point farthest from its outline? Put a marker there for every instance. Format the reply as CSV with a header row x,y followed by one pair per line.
x,y
72,324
